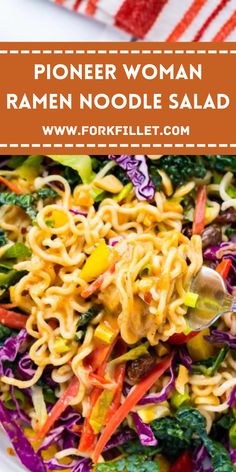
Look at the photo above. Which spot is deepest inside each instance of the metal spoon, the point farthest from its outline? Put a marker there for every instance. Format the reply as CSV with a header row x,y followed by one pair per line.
x,y
213,301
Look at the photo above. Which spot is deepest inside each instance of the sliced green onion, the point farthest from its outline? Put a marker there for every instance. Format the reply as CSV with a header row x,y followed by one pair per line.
x,y
232,436
191,299
104,333
123,193
20,397
131,355
178,399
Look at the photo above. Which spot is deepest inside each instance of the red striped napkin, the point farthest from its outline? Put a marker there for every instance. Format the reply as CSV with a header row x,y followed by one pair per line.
x,y
164,20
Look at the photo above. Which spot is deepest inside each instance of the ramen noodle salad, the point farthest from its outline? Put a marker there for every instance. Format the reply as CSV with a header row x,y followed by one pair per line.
x,y
99,368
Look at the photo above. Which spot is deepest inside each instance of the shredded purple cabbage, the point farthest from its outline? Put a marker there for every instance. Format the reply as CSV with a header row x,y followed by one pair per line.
x,y
62,432
20,414
84,465
120,438
137,170
23,448
232,398
225,250
221,337
53,464
201,460
163,395
25,367
80,465
78,212
144,431
10,349
185,358
233,455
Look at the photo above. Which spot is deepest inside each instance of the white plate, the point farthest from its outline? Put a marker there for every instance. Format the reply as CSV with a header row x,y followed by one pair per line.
x,y
8,463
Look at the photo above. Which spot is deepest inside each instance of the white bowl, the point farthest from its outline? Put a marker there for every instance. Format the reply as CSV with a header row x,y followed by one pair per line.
x,y
8,463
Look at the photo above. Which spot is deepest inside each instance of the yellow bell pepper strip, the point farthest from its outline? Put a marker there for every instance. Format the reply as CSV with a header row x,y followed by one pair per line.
x,y
132,399
14,188
223,268
199,214
63,402
97,263
199,348
182,379
88,437
94,286
98,415
61,345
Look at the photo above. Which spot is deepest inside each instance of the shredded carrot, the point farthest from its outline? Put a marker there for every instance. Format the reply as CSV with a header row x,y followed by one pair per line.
x,y
94,286
8,305
11,186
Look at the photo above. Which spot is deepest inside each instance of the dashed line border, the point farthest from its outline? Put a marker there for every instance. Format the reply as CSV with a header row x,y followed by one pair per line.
x,y
101,145
116,51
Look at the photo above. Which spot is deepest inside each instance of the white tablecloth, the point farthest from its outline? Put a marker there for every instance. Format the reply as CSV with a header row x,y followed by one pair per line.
x,y
39,20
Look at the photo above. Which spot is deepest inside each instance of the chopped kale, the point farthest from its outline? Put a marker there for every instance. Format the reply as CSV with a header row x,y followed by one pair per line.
x,y
84,320
3,239
11,278
181,169
154,174
16,161
49,395
194,425
26,201
99,162
220,163
134,462
210,366
191,421
45,192
176,434
72,176
172,439
219,456
135,447
5,333
221,426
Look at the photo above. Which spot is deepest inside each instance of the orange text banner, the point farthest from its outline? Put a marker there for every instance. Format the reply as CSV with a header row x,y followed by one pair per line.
x,y
116,98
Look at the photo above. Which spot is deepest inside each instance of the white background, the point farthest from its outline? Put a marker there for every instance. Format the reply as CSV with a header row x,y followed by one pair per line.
x,y
40,20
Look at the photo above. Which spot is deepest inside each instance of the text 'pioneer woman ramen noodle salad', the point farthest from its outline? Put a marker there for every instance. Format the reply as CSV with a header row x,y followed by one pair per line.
x,y
99,368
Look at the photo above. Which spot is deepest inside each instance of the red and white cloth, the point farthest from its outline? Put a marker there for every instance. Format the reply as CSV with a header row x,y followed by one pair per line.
x,y
164,20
